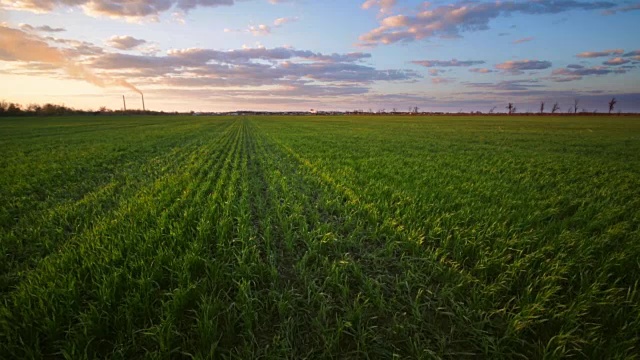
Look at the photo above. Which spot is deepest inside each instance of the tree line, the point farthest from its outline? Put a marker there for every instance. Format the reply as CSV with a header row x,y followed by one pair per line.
x,y
14,109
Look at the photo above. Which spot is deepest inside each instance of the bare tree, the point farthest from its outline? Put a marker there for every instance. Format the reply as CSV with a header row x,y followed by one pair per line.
x,y
492,110
542,107
510,107
612,103
575,106
555,108
415,109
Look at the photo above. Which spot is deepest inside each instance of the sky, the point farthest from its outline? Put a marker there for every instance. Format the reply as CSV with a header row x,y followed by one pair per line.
x,y
297,55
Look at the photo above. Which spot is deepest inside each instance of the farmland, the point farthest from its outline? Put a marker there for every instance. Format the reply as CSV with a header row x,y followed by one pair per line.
x,y
293,237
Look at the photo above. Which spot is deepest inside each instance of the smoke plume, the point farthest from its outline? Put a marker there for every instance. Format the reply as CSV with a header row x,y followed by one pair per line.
x,y
16,45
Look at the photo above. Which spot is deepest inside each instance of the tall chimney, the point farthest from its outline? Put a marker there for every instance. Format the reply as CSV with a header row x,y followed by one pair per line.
x,y
124,103
143,109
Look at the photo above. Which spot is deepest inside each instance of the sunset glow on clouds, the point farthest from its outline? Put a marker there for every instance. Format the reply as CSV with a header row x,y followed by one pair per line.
x,y
218,55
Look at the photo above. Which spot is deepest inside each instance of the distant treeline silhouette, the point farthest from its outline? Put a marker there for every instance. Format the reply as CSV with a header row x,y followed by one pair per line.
x,y
13,109
8,109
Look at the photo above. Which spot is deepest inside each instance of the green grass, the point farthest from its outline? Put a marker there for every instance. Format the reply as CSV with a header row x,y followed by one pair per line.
x,y
320,237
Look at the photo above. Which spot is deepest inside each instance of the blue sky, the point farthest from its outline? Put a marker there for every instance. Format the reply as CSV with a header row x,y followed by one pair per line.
x,y
220,55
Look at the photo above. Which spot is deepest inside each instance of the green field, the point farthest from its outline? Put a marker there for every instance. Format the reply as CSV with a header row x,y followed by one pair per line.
x,y
320,237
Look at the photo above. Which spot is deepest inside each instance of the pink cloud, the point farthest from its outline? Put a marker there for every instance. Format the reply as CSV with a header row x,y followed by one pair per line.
x,y
522,65
448,21
616,61
523,40
595,54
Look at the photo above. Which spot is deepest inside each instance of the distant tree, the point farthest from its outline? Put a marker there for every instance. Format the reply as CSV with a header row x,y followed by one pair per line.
x,y
492,110
555,108
48,109
542,107
415,110
575,106
612,104
10,109
34,108
395,110
510,107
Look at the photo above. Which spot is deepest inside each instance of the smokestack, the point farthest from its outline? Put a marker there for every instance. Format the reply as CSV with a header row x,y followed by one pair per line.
x,y
143,109
124,103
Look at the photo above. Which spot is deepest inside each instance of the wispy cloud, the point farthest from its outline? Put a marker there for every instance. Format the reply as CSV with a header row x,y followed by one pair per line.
x,y
578,72
616,61
449,21
131,9
510,85
623,9
595,54
384,5
179,17
44,28
18,46
284,20
523,40
481,70
255,30
447,63
259,30
125,42
252,67
518,66
441,80
263,29
269,71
